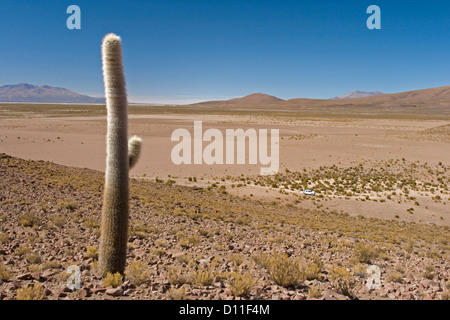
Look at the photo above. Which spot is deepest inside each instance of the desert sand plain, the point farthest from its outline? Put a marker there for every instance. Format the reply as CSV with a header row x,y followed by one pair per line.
x,y
307,142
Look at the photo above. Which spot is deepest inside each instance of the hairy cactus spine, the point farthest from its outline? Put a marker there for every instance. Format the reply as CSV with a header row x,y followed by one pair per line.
x,y
114,222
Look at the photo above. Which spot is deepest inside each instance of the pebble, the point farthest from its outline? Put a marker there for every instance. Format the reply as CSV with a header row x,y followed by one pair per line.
x,y
115,292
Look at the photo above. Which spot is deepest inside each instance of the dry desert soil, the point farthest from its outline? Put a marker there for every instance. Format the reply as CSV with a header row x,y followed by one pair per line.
x,y
224,231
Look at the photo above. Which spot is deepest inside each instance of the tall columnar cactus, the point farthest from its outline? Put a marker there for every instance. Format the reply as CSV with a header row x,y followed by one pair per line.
x,y
114,222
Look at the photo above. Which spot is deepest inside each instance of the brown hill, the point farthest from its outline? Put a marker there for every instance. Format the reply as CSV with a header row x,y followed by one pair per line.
x,y
418,101
254,100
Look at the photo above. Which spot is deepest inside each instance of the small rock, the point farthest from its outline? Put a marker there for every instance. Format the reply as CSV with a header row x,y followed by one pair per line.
x,y
115,292
25,276
390,287
333,295
37,276
228,292
13,285
426,283
83,293
98,290
410,278
47,274
408,296
299,296
128,292
275,297
434,286
383,293
125,285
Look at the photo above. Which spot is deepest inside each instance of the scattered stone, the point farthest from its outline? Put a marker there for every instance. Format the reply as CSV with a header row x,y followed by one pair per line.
x,y
37,276
284,296
83,293
25,276
98,290
409,278
333,295
408,296
115,292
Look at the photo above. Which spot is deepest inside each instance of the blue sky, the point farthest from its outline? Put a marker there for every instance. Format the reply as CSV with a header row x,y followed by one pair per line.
x,y
185,51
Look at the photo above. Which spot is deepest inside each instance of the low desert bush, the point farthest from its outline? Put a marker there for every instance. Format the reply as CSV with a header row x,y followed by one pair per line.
x,y
283,270
201,277
35,292
29,219
176,294
91,252
137,272
241,284
112,280
365,253
342,280
314,293
4,273
311,270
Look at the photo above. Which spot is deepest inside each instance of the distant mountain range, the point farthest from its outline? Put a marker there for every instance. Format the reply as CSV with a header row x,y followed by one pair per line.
x,y
424,99
358,94
24,92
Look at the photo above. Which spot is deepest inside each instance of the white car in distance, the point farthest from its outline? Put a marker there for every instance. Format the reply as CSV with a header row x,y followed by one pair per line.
x,y
309,192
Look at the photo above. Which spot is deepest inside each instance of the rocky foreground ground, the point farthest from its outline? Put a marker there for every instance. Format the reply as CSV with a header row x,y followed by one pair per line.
x,y
191,243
